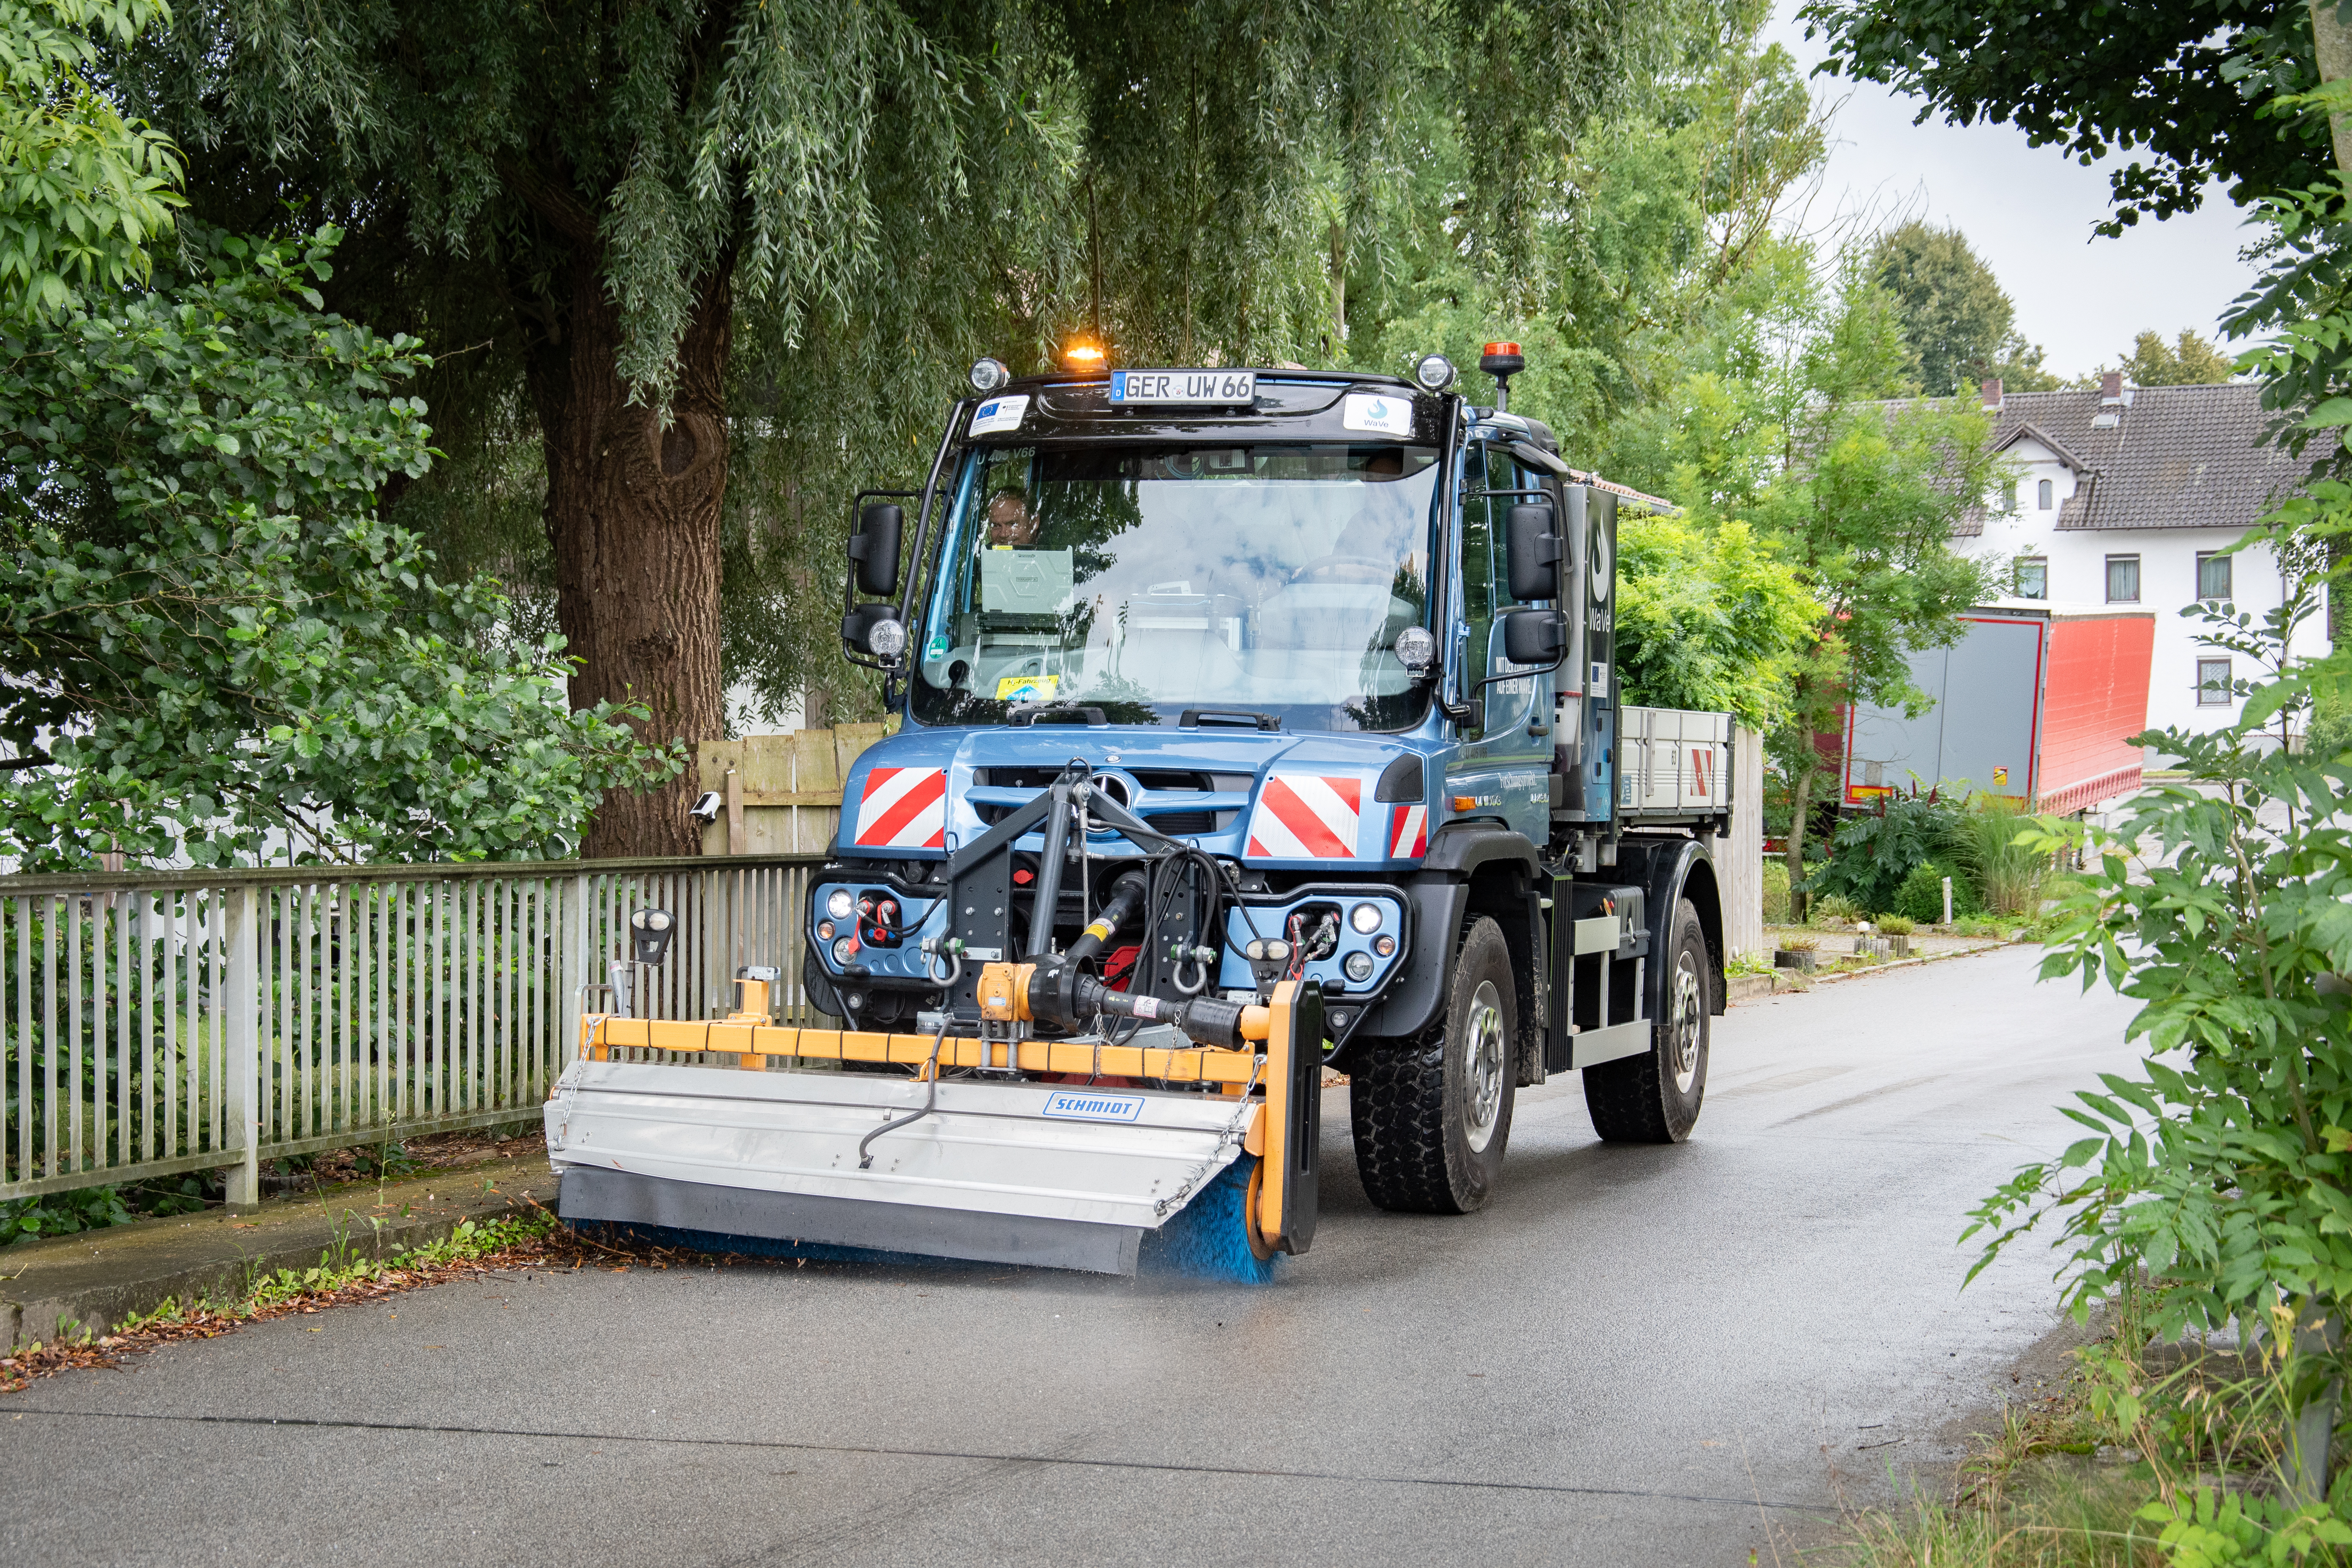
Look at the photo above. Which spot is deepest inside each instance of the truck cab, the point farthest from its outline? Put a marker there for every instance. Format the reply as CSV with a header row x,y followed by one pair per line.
x,y
1344,645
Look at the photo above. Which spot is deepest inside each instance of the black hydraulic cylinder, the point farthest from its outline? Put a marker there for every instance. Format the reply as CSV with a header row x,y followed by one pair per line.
x,y
1049,873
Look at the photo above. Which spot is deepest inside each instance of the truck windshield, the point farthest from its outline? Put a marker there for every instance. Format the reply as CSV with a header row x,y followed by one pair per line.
x,y
1143,582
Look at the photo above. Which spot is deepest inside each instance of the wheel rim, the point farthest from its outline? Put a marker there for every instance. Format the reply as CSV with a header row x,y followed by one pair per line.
x,y
1685,1018
1484,1050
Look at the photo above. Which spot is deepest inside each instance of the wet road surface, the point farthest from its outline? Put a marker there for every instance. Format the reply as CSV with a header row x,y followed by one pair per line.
x,y
1633,1356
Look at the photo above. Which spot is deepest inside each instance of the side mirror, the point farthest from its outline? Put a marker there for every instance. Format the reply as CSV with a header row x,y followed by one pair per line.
x,y
1534,549
874,547
1533,636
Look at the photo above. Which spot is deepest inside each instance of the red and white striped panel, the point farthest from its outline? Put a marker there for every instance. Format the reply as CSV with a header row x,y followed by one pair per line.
x,y
1408,833
903,808
1305,817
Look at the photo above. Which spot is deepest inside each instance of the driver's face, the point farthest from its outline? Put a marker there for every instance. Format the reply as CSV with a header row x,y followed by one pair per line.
x,y
1010,524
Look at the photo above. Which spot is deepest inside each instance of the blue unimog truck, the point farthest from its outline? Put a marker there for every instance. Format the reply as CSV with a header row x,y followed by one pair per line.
x,y
1267,721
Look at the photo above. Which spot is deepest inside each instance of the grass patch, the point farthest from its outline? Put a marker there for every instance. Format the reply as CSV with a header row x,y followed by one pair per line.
x,y
2159,1456
339,1279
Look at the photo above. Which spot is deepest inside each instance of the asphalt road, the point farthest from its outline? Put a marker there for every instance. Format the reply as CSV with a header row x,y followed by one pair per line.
x,y
1633,1356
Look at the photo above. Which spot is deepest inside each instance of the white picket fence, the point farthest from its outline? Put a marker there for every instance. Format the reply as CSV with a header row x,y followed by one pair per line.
x,y
160,1023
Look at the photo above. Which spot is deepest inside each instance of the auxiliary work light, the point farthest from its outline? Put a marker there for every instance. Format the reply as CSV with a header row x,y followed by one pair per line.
x,y
1434,372
988,375
650,933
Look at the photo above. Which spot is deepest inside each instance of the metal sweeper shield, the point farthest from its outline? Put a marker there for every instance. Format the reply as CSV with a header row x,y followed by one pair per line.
x,y
720,1128
1049,1117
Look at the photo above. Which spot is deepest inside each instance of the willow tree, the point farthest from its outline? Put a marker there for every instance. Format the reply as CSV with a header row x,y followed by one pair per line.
x,y
651,244
624,185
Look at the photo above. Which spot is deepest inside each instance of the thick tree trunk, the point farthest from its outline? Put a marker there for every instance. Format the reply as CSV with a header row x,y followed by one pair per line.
x,y
2331,40
1800,805
633,514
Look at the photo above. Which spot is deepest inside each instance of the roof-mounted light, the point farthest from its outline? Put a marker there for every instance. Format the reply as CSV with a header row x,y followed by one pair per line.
x,y
988,375
1084,357
1502,360
1434,373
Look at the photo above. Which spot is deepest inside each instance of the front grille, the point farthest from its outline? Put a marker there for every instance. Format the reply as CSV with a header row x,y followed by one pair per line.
x,y
1181,822
1171,779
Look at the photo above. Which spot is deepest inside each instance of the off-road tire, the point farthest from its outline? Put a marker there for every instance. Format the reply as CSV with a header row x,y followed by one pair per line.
x,y
1653,1097
1431,1115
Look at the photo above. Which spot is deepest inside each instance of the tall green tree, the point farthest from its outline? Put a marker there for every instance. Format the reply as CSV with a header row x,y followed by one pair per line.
x,y
212,644
2188,361
734,237
1957,318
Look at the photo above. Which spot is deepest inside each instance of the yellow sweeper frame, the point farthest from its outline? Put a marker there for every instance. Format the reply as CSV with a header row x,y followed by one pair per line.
x,y
1286,1068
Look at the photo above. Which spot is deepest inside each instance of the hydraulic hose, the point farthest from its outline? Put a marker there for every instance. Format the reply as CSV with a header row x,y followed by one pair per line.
x,y
1066,996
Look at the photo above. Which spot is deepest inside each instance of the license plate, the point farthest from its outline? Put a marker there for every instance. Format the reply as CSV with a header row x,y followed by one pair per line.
x,y
1133,386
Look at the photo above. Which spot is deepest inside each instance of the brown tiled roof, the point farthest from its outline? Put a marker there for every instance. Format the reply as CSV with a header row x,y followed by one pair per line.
x,y
2176,457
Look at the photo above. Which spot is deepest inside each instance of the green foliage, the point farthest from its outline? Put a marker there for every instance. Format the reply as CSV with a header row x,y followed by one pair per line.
x,y
1708,616
210,625
2189,360
1776,892
1958,321
2177,85
1875,852
1896,925
1921,894
1992,841
83,192
62,1214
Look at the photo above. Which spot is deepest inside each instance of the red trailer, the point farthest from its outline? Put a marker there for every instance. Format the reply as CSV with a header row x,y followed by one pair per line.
x,y
2037,701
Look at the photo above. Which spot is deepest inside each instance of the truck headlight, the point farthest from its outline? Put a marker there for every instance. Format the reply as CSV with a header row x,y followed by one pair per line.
x,y
1358,965
839,903
1365,918
1384,945
844,950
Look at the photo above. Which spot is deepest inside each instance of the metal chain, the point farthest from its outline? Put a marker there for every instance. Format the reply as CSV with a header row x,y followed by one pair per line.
x,y
1233,1134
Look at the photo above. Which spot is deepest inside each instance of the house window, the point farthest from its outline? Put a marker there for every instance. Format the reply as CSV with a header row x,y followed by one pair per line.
x,y
2212,576
2123,579
2044,492
2012,496
2213,683
2033,578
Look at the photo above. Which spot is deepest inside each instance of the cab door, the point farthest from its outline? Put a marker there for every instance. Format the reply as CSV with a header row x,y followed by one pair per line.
x,y
1505,768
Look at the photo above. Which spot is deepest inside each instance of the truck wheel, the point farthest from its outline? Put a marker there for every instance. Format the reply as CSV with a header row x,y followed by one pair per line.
x,y
1653,1097
1430,1115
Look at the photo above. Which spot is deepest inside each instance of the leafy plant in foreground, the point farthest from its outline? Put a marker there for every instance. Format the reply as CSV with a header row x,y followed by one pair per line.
x,y
2219,1184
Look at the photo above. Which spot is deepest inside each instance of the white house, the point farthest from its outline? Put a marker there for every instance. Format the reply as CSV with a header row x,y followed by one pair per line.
x,y
2127,496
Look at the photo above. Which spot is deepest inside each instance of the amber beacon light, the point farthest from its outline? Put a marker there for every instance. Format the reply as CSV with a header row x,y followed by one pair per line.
x,y
1502,360
1084,357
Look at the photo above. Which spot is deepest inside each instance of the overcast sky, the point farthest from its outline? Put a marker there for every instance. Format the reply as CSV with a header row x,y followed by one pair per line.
x,y
2028,211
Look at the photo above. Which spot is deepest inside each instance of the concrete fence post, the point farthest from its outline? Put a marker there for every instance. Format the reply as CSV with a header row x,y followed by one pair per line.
x,y
240,1042
574,960
1739,854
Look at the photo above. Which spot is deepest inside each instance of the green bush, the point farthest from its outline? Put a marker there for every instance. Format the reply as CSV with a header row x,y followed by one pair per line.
x,y
1921,896
1873,852
1775,891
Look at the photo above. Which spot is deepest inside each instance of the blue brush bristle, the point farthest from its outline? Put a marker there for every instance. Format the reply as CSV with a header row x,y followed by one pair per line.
x,y
1208,1239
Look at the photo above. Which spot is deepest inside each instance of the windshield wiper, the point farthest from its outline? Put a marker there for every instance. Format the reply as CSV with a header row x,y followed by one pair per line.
x,y
1193,718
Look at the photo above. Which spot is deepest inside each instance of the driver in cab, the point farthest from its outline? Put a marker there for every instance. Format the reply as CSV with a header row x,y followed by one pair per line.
x,y
1011,524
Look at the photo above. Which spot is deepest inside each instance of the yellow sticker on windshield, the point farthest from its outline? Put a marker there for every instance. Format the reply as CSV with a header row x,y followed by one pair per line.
x,y
1027,688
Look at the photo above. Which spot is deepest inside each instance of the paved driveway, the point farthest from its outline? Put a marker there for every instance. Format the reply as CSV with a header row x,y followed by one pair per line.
x,y
1634,1356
